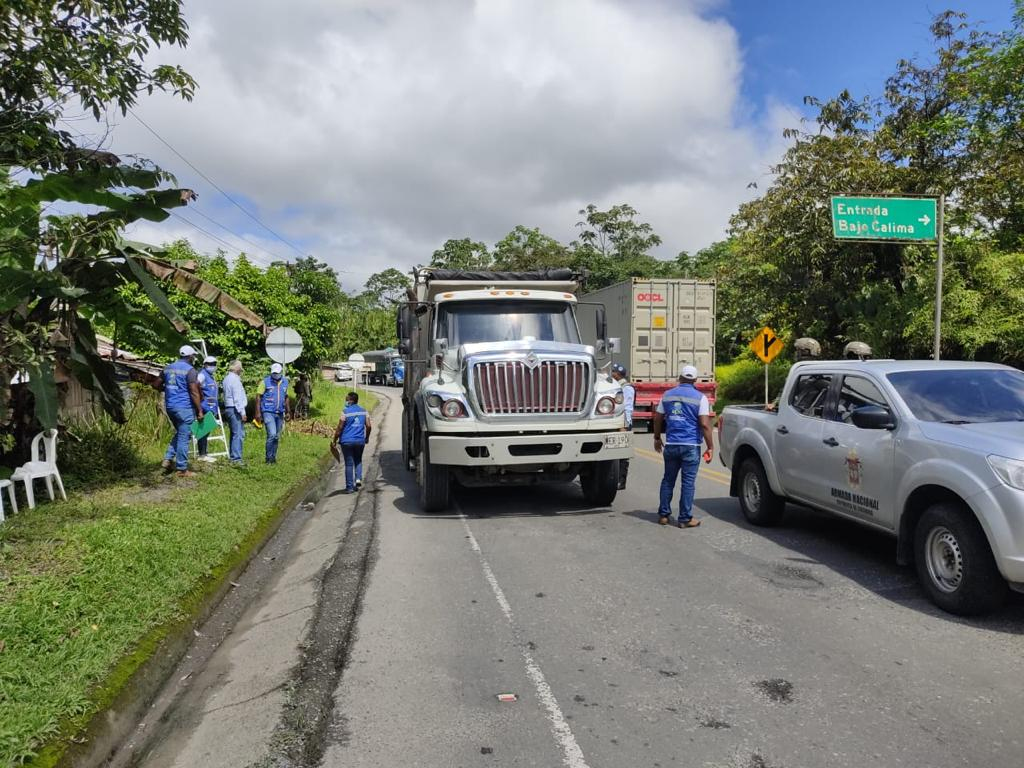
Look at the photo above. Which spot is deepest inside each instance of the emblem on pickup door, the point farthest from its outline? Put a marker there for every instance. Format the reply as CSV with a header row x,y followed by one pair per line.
x,y
854,468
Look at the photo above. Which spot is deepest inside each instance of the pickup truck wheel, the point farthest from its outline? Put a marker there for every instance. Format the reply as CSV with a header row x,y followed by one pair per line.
x,y
758,502
434,480
955,563
600,482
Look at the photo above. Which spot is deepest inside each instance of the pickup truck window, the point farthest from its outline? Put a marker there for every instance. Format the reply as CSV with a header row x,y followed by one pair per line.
x,y
810,393
469,322
962,396
855,392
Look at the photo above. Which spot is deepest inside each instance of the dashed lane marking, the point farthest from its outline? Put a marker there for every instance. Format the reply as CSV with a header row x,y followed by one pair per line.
x,y
572,755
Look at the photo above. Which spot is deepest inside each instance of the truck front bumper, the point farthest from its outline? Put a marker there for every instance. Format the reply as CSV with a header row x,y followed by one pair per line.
x,y
508,450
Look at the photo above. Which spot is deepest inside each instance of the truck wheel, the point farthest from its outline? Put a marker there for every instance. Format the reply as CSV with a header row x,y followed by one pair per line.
x,y
600,482
955,563
759,503
434,480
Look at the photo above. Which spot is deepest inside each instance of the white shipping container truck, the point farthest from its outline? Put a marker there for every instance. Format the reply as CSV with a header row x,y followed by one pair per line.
x,y
662,324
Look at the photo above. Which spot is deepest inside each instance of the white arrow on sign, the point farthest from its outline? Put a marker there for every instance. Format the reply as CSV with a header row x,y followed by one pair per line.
x,y
925,220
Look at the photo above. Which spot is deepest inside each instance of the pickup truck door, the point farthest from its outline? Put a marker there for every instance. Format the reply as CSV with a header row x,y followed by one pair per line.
x,y
857,464
798,438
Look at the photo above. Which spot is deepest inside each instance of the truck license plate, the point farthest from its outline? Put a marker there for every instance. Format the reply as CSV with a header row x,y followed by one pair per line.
x,y
616,441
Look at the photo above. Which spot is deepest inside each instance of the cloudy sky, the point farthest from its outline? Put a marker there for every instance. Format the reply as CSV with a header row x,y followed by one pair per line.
x,y
367,132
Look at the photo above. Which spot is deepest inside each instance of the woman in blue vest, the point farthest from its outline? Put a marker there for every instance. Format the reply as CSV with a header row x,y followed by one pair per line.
x,y
208,388
183,404
271,404
353,431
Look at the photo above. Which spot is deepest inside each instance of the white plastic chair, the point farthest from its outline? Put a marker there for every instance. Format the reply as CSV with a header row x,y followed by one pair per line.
x,y
45,468
5,483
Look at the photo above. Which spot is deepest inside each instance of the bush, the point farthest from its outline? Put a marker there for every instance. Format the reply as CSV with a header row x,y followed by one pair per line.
x,y
98,452
742,381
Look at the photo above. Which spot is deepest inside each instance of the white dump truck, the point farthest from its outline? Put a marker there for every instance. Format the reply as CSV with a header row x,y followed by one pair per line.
x,y
499,388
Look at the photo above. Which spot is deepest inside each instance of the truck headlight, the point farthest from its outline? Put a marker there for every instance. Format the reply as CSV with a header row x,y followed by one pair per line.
x,y
1009,471
452,409
605,406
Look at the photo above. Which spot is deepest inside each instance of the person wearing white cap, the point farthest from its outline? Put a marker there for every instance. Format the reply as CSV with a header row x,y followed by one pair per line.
x,y
271,404
209,389
685,416
183,403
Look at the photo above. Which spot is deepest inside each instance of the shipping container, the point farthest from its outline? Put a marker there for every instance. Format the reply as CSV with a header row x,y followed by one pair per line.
x,y
662,325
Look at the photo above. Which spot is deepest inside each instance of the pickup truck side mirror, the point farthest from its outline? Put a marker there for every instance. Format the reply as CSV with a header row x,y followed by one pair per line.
x,y
872,417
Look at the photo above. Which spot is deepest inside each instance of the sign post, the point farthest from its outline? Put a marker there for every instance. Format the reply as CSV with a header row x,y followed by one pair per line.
x,y
895,219
766,345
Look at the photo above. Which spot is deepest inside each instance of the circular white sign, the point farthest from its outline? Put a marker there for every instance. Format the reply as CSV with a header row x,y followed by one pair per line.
x,y
284,345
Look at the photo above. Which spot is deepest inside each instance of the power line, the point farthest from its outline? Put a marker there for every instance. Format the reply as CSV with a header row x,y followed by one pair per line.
x,y
217,187
243,238
220,240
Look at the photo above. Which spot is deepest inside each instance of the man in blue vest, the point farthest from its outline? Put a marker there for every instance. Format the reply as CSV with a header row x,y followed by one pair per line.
x,y
208,388
183,404
353,431
684,415
271,405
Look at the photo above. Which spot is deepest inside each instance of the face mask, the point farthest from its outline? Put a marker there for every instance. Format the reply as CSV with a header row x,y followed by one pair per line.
x,y
275,376
211,368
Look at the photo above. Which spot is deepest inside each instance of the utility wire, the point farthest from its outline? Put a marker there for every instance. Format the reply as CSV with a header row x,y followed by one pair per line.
x,y
216,186
243,238
220,240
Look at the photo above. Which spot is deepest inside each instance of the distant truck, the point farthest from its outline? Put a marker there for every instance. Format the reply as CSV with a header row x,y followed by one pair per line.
x,y
396,371
377,370
661,325
930,452
501,390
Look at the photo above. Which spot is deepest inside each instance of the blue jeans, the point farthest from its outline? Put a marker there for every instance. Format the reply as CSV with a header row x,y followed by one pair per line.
x,y
237,434
273,423
177,449
353,454
684,459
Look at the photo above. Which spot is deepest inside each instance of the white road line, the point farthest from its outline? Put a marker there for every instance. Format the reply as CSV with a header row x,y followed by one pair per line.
x,y
572,755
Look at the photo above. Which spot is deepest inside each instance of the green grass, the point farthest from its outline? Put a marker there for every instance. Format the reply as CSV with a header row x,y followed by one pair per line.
x,y
83,583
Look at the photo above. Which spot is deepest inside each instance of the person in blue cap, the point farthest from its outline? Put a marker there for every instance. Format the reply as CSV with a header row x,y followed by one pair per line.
x,y
209,390
621,375
183,404
271,405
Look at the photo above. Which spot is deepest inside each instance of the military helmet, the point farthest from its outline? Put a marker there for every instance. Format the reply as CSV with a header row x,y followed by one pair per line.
x,y
856,350
807,348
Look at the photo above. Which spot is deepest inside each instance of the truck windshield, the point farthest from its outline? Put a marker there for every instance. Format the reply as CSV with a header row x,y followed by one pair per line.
x,y
469,322
962,396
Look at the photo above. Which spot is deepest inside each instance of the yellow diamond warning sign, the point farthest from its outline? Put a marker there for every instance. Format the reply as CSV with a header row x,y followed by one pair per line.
x,y
766,344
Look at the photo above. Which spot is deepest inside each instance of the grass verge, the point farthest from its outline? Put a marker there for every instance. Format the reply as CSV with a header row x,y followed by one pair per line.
x,y
85,584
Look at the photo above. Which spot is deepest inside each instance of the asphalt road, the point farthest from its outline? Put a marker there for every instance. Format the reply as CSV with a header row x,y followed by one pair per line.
x,y
631,644
623,642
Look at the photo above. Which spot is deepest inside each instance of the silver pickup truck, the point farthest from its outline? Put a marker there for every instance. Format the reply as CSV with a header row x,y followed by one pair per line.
x,y
931,452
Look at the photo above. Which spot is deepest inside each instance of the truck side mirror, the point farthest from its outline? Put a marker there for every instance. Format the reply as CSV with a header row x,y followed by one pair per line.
x,y
615,345
602,324
440,346
403,347
872,417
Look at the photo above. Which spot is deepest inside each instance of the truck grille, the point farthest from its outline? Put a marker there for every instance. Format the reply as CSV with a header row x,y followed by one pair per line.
x,y
513,387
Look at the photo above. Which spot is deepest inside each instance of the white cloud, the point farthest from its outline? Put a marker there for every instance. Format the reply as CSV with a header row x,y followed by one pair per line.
x,y
372,131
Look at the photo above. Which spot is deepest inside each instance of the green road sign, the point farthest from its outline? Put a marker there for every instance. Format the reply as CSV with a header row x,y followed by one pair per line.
x,y
884,218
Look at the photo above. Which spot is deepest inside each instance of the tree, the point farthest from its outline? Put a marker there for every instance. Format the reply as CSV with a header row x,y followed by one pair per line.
x,y
387,288
528,249
53,52
461,254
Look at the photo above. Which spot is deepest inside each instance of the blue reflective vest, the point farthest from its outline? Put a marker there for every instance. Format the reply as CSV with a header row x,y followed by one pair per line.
x,y
354,430
208,387
176,394
681,407
274,397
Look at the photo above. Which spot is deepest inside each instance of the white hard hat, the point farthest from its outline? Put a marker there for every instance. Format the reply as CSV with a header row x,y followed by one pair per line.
x,y
187,351
688,372
276,368
210,359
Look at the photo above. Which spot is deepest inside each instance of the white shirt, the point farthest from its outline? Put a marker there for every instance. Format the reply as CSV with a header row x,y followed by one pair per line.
x,y
628,399
234,392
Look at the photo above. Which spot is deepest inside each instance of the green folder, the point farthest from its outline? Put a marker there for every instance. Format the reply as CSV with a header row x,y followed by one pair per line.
x,y
204,426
